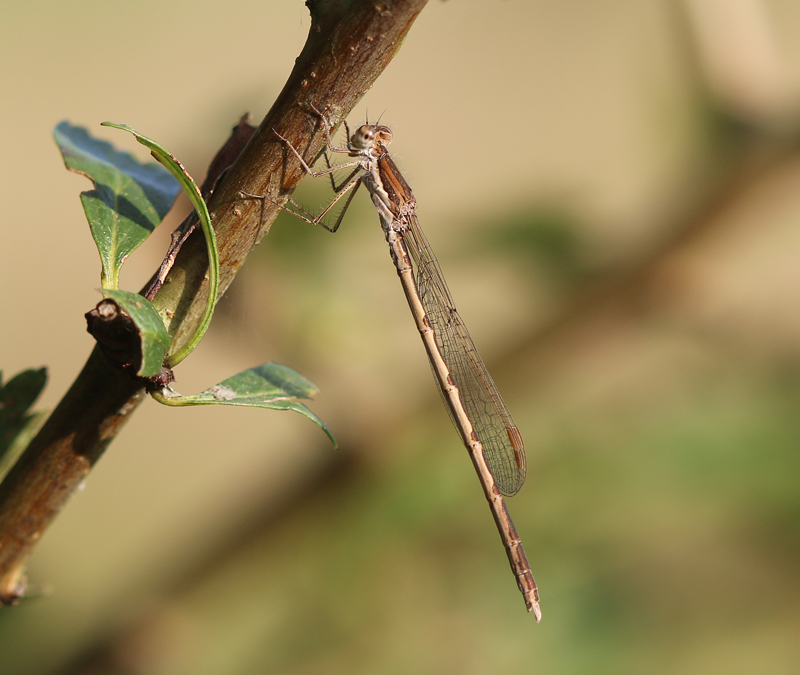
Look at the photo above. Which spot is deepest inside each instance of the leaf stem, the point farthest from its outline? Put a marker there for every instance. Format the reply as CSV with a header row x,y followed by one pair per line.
x,y
190,188
175,399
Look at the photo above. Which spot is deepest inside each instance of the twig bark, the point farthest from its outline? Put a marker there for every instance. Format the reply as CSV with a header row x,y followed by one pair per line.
x,y
349,45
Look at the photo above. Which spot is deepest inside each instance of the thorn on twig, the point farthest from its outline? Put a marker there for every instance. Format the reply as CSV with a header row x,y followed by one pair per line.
x,y
13,586
164,377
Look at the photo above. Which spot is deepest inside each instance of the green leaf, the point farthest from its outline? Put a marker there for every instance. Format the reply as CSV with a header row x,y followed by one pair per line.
x,y
155,339
270,385
196,197
130,199
17,425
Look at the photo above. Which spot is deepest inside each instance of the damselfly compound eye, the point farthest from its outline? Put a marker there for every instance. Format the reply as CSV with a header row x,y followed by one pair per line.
x,y
384,135
363,136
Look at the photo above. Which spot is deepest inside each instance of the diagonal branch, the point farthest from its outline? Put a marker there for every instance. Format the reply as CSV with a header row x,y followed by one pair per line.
x,y
349,44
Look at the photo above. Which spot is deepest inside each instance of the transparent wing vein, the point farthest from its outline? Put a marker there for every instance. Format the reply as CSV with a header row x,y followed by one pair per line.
x,y
502,444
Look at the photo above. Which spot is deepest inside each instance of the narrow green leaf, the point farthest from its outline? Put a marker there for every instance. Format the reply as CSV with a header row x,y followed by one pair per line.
x,y
17,424
153,334
270,385
129,201
194,194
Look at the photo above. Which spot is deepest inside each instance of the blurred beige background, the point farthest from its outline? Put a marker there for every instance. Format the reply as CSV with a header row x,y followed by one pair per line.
x,y
618,217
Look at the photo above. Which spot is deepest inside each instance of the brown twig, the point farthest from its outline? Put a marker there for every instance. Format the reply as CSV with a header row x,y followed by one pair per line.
x,y
349,45
222,162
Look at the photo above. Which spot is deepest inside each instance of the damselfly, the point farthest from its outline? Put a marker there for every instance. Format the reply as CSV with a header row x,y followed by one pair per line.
x,y
475,406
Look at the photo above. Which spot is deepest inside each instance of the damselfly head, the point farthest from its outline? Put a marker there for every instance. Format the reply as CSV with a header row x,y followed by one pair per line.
x,y
368,135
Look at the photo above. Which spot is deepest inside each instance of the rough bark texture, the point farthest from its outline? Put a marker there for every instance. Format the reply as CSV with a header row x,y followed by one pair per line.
x,y
349,45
